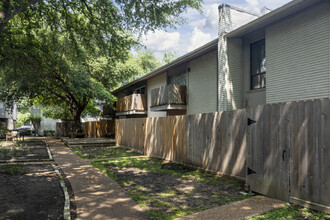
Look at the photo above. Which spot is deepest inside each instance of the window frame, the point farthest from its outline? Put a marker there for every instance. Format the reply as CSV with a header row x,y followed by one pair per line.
x,y
253,75
139,90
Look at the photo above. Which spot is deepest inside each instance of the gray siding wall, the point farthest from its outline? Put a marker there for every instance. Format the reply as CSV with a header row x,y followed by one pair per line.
x,y
202,84
153,83
234,78
297,51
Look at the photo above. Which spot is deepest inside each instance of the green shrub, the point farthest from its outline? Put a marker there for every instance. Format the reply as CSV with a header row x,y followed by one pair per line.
x,y
49,132
3,132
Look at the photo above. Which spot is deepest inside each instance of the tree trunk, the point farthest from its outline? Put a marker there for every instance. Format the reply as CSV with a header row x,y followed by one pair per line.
x,y
36,126
77,123
76,114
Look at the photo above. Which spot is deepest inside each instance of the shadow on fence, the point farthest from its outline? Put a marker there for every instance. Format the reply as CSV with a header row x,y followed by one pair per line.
x,y
283,153
102,128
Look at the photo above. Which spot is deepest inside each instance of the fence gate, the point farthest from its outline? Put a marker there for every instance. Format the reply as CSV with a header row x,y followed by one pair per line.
x,y
310,154
268,140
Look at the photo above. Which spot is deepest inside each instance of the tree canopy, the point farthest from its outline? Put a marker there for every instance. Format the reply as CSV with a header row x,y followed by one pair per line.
x,y
72,52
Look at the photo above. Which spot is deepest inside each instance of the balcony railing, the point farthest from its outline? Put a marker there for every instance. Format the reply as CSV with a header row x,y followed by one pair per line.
x,y
171,94
134,102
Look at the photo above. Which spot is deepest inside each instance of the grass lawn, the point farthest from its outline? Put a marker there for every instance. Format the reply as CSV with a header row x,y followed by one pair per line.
x,y
103,152
291,212
167,190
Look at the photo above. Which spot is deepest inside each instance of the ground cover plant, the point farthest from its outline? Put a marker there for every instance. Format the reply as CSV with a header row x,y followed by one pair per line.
x,y
103,152
292,212
166,190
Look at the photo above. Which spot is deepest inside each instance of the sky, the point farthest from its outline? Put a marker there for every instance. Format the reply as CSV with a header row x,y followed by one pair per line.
x,y
199,29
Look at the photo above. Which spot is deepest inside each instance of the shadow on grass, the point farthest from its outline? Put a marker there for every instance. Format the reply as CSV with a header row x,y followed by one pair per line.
x,y
167,190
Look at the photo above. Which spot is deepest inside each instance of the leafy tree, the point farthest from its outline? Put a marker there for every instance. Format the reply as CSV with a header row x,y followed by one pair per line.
x,y
170,56
72,52
143,62
62,111
22,119
35,120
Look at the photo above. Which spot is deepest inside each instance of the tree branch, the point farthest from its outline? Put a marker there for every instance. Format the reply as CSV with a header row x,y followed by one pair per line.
x,y
11,9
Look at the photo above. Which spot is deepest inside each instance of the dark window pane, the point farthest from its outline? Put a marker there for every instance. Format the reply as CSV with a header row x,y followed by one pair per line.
x,y
258,65
258,81
141,90
178,79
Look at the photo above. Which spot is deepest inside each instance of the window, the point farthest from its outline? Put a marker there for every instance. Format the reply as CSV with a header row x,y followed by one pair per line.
x,y
177,78
141,90
258,65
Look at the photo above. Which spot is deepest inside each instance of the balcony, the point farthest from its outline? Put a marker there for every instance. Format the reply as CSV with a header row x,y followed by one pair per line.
x,y
169,98
135,104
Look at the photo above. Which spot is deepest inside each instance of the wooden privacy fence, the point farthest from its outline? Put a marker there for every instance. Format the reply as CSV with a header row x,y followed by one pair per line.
x,y
214,141
217,141
99,128
289,152
161,137
92,129
283,150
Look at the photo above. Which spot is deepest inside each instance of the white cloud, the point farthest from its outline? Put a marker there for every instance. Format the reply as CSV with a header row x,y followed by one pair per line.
x,y
272,4
198,39
212,16
253,6
161,40
256,5
207,21
198,23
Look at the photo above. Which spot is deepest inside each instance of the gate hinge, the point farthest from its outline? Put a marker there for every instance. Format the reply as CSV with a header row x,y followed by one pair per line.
x,y
250,171
250,121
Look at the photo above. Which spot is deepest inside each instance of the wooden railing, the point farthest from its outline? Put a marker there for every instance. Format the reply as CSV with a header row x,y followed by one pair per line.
x,y
132,102
169,94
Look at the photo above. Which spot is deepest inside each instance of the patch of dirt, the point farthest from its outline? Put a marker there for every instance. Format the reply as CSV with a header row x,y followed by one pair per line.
x,y
31,191
35,194
170,194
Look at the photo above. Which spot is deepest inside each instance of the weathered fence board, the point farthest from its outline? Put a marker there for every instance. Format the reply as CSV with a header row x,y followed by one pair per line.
x,y
91,128
309,170
131,133
64,128
216,141
267,162
285,154
99,128
164,137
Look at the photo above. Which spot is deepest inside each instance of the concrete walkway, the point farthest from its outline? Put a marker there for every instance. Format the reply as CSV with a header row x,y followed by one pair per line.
x,y
238,210
97,196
